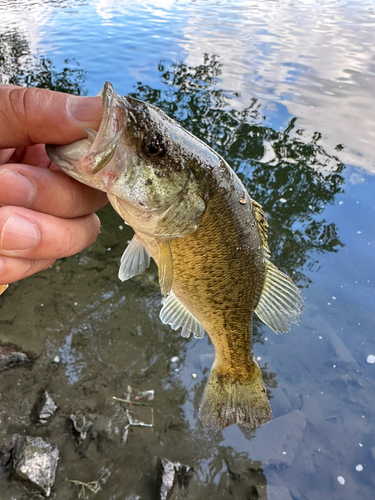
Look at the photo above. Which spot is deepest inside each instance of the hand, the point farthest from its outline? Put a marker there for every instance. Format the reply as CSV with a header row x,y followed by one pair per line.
x,y
44,214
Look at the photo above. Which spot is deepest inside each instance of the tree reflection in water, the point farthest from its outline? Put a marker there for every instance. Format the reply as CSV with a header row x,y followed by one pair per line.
x,y
292,177
19,67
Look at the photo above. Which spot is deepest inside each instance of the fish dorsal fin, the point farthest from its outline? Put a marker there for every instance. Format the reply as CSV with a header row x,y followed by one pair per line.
x,y
175,314
281,301
134,260
165,267
261,220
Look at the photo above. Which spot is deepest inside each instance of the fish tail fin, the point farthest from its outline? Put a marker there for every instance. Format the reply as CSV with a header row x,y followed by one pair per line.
x,y
228,401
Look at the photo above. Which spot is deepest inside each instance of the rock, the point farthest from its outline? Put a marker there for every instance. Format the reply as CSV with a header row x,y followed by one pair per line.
x,y
278,493
43,408
6,448
173,473
277,442
35,461
12,355
80,427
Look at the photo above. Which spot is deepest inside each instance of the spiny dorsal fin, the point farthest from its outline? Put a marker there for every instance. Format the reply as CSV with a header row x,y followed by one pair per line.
x,y
165,267
175,314
261,219
281,301
134,260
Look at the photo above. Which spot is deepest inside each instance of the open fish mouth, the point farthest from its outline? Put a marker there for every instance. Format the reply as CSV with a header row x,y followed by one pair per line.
x,y
93,154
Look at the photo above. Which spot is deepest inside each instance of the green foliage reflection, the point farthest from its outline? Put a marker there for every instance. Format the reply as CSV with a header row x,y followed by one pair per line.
x,y
19,67
292,177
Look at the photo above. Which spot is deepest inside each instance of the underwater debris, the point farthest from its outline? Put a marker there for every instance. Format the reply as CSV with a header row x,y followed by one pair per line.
x,y
138,409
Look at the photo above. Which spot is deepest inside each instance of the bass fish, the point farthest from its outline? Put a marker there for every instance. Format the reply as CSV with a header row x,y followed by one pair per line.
x,y
191,214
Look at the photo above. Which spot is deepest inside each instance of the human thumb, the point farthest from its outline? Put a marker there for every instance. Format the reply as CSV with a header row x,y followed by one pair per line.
x,y
31,116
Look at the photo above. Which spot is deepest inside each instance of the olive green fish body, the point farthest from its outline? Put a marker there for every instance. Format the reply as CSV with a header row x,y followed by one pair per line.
x,y
192,215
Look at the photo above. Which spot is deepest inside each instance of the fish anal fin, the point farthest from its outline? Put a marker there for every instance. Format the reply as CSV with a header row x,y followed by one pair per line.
x,y
165,267
226,401
134,260
281,302
175,314
261,220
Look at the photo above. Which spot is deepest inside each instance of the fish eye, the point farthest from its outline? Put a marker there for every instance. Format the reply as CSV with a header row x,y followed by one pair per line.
x,y
154,146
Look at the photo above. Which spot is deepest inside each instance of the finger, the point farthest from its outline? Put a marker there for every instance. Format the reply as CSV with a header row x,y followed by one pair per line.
x,y
32,155
31,235
12,269
31,116
48,191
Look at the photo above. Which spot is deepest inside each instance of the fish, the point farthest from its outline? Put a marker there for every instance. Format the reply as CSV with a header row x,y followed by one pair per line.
x,y
192,215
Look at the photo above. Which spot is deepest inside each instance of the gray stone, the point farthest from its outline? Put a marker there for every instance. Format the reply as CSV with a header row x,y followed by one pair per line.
x,y
172,473
277,442
11,355
43,408
35,461
6,448
80,427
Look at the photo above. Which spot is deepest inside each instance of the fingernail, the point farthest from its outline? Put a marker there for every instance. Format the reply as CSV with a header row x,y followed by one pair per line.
x,y
85,109
19,234
16,189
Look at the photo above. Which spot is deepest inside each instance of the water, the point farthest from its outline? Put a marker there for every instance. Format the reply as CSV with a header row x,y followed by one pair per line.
x,y
285,92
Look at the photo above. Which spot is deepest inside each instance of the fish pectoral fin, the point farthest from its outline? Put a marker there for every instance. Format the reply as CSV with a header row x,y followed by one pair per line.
x,y
174,313
281,301
3,288
134,260
165,267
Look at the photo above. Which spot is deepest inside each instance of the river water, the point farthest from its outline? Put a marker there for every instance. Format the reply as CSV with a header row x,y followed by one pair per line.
x,y
285,92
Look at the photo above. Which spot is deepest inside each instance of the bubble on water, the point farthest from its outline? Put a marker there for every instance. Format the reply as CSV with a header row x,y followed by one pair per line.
x,y
359,232
340,479
341,202
258,358
360,444
174,359
359,467
371,359
194,375
121,227
282,200
334,298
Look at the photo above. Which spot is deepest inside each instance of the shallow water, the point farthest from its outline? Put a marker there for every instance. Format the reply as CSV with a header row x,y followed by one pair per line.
x,y
285,92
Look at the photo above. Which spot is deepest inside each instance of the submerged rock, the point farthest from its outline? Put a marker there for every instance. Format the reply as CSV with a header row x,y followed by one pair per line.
x,y
35,461
80,427
172,473
12,355
277,442
278,493
6,448
43,408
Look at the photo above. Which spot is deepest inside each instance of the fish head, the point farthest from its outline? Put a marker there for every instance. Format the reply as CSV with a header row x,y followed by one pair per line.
x,y
153,170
